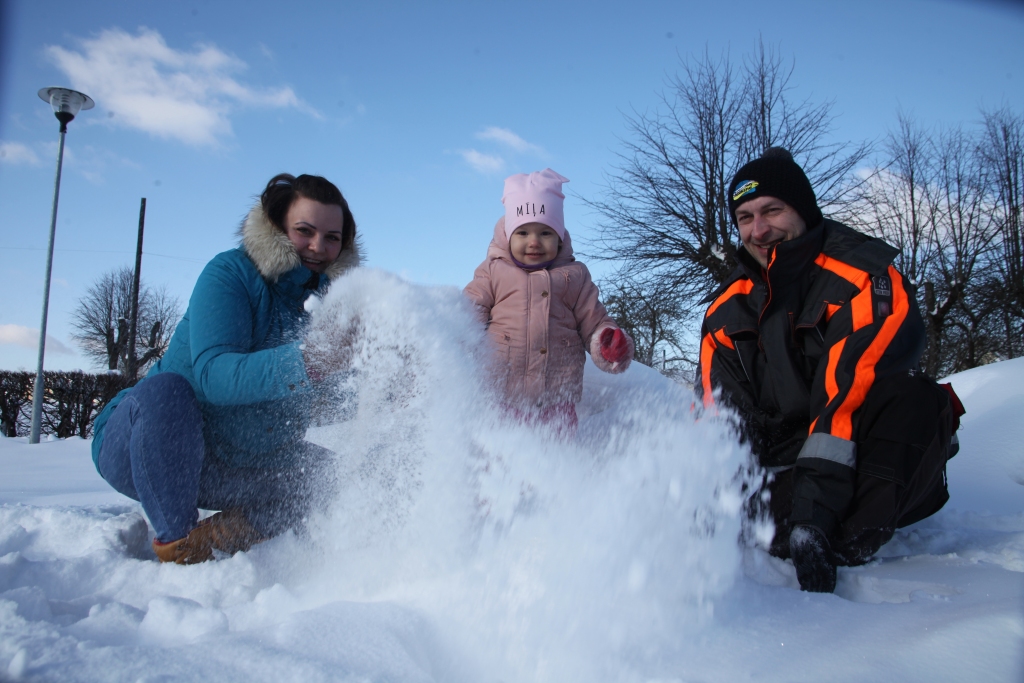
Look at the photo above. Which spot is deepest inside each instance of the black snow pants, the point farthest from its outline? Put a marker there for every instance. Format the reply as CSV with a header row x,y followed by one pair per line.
x,y
903,443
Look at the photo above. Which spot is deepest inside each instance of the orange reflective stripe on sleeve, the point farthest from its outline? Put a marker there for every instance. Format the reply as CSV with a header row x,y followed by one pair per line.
x,y
744,286
831,385
707,350
854,276
863,313
722,338
864,374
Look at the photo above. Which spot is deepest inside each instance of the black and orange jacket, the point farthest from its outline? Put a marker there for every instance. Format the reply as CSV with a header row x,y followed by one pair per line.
x,y
795,348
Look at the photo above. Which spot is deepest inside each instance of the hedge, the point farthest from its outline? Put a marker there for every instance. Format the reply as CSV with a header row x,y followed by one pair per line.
x,y
71,401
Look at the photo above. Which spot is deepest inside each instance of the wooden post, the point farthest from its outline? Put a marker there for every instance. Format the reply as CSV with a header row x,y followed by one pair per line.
x,y
133,328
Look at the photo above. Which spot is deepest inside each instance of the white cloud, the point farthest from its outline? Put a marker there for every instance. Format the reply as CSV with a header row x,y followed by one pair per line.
x,y
144,84
17,153
506,137
483,163
20,335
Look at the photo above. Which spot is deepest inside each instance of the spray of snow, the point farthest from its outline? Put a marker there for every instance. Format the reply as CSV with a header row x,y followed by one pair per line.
x,y
462,547
547,557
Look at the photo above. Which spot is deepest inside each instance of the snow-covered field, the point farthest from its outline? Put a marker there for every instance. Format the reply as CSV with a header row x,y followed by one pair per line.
x,y
462,547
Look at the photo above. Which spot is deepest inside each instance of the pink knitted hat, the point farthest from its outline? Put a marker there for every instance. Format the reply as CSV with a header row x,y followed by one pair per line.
x,y
534,198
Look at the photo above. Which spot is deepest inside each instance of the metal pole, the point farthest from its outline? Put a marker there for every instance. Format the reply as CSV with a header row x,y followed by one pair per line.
x,y
37,391
134,324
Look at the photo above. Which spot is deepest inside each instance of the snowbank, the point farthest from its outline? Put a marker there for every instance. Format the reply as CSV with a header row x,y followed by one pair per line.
x,y
465,547
991,478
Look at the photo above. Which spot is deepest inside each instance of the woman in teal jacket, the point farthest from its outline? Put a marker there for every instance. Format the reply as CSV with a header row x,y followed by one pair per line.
x,y
219,422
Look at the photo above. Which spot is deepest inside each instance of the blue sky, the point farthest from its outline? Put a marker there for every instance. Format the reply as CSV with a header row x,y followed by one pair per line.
x,y
417,110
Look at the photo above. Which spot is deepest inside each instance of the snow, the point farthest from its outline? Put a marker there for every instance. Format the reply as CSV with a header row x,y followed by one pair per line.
x,y
462,546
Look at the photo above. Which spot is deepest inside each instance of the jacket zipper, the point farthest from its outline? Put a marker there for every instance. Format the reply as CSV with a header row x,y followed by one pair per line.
x,y
768,290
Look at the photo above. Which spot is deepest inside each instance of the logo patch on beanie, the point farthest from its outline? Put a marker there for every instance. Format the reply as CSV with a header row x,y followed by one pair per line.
x,y
744,188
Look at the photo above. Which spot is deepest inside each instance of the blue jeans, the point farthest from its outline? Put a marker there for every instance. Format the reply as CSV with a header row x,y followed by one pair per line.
x,y
153,451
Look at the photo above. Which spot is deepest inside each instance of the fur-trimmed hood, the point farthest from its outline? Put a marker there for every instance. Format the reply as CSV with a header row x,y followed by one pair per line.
x,y
273,253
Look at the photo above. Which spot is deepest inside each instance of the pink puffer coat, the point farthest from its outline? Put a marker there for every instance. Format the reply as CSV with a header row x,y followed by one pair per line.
x,y
540,321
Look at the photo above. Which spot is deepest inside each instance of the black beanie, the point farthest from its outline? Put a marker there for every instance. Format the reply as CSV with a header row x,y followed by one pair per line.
x,y
775,174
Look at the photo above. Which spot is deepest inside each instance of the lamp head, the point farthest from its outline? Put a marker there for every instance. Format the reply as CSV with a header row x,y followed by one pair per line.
x,y
66,103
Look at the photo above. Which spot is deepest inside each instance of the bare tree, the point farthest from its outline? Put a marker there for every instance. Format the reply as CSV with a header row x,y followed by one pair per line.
x,y
664,210
804,128
102,317
1003,151
650,315
963,235
664,215
932,201
896,203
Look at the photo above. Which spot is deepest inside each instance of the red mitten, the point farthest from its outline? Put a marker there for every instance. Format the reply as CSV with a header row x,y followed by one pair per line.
x,y
614,346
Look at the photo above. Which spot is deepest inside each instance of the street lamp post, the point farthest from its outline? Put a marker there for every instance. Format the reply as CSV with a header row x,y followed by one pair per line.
x,y
66,103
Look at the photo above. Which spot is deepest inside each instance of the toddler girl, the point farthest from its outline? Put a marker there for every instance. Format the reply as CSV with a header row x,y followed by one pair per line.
x,y
541,306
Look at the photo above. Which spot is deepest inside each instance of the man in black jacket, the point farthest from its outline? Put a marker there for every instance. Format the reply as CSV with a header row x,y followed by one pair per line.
x,y
815,341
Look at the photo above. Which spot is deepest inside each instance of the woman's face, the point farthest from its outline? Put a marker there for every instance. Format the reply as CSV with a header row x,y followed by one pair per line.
x,y
315,230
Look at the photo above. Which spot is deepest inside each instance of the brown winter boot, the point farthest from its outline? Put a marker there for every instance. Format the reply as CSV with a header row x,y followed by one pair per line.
x,y
228,531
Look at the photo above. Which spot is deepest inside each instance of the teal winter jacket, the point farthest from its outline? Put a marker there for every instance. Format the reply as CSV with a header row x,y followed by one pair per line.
x,y
238,345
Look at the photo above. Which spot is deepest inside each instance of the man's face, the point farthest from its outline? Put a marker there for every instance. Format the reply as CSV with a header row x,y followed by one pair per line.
x,y
764,222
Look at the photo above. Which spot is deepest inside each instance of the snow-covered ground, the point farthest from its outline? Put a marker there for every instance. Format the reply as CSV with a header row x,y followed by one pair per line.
x,y
462,547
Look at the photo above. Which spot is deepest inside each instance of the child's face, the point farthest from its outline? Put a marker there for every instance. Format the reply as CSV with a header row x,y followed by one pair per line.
x,y
534,243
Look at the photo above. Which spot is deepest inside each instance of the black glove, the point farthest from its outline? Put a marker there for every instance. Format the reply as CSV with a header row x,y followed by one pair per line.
x,y
812,557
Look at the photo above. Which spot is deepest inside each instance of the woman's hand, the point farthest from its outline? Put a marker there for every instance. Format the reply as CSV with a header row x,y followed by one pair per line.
x,y
328,350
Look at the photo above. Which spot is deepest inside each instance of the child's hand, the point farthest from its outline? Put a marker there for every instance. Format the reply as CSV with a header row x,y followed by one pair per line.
x,y
614,345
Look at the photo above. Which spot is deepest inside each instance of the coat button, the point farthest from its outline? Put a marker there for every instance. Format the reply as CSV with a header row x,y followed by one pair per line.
x,y
269,429
543,350
291,387
544,294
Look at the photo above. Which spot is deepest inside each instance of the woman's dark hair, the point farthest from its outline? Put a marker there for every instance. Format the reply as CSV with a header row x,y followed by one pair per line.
x,y
284,188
